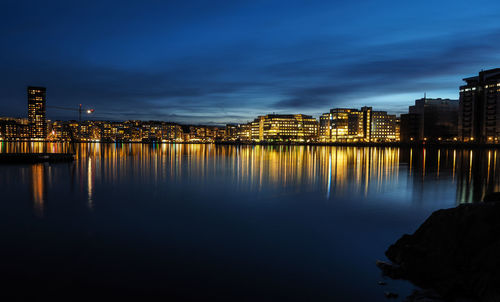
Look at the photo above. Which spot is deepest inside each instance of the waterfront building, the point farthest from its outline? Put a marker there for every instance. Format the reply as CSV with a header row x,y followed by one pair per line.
x,y
58,132
14,129
231,132
36,112
358,125
255,130
479,109
430,120
398,129
410,123
285,127
345,125
171,132
132,131
244,132
325,127
339,124
383,127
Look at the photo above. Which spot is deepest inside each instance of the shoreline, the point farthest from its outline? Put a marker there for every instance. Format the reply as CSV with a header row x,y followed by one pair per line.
x,y
454,145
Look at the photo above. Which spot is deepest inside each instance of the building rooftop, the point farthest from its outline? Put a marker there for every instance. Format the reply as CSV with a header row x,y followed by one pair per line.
x,y
485,75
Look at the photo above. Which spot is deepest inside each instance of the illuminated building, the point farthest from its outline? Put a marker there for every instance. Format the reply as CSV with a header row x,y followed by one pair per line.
x,y
14,129
346,125
202,133
339,121
36,112
244,132
285,127
152,131
132,131
430,120
59,132
479,109
398,128
255,130
383,127
171,132
324,132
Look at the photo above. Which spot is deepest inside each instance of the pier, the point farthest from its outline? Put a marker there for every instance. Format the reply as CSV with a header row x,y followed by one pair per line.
x,y
36,157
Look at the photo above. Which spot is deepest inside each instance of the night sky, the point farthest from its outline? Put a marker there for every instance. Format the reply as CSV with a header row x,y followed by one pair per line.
x,y
214,62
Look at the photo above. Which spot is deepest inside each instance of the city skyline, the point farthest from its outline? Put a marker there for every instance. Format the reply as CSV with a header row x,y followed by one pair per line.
x,y
216,62
472,118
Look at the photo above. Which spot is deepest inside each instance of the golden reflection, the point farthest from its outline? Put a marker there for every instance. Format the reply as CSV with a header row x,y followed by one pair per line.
x,y
90,183
331,171
38,188
489,163
439,163
454,162
423,163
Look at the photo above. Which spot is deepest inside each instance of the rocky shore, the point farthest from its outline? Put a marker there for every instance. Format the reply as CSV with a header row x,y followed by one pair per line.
x,y
454,253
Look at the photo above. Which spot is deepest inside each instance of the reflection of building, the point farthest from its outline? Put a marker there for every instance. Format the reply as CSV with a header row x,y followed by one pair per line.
x,y
38,188
36,112
479,115
285,127
430,119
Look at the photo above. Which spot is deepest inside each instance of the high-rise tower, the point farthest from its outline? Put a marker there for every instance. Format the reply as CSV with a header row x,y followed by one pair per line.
x,y
36,112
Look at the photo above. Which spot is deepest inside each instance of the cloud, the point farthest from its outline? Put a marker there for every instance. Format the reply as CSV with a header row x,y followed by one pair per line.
x,y
412,66
239,78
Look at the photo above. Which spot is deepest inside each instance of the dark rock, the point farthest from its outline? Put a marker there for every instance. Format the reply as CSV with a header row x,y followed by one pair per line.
x,y
391,295
424,296
390,270
455,251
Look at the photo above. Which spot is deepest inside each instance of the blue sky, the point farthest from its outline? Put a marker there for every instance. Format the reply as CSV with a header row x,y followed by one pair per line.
x,y
229,61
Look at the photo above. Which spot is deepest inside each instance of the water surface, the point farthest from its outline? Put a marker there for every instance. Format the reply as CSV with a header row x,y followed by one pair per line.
x,y
235,223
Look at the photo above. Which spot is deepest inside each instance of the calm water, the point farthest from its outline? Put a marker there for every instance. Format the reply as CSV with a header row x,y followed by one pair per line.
x,y
232,223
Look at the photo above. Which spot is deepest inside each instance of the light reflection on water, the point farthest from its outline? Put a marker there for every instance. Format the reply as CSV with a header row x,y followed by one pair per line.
x,y
335,171
290,208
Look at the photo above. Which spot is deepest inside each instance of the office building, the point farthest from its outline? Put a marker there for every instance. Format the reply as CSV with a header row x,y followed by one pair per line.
x,y
383,127
285,127
357,125
430,120
479,110
36,112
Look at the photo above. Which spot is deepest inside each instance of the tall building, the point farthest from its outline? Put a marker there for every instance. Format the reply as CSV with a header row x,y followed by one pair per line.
x,y
479,111
36,112
430,119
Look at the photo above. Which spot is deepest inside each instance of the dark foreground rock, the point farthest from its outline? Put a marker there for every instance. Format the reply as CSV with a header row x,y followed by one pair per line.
x,y
455,251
